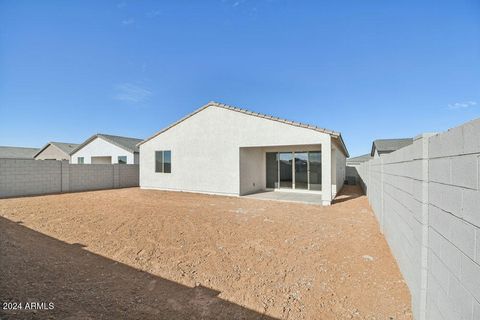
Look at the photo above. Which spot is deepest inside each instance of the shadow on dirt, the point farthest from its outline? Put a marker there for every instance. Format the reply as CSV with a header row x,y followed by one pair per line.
x,y
84,285
347,193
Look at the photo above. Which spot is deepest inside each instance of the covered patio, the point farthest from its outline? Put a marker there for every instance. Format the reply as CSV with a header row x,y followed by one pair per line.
x,y
305,173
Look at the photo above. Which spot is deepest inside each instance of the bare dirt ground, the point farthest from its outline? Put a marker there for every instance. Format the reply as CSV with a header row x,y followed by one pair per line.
x,y
145,254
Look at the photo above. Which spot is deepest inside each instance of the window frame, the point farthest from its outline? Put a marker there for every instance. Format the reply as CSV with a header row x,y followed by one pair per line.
x,y
82,161
118,159
169,161
160,164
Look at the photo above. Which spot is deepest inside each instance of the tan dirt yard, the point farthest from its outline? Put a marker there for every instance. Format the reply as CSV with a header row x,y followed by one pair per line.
x,y
146,254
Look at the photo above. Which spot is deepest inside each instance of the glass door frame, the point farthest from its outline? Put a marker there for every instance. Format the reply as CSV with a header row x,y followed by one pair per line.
x,y
293,187
292,164
294,173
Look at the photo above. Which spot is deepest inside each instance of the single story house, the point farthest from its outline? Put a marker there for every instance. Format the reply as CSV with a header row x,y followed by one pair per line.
x,y
385,146
56,151
17,152
221,149
106,149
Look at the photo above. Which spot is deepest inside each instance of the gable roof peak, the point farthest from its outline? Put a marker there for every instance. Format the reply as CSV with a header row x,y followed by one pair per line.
x,y
127,143
212,103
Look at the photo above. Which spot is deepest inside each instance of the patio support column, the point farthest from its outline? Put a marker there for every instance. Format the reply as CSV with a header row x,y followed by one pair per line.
x,y
327,171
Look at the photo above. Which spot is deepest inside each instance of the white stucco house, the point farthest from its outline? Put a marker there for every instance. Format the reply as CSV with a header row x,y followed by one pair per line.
x,y
221,149
106,149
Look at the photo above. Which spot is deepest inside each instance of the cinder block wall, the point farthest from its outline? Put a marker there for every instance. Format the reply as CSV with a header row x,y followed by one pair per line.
x,y
127,176
19,177
91,177
426,198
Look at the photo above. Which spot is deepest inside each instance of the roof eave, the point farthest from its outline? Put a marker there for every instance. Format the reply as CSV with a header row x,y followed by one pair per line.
x,y
41,150
99,135
332,133
83,144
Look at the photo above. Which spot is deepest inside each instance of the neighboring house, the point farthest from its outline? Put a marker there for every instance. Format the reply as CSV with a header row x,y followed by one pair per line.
x,y
384,146
17,152
221,149
355,161
106,149
56,151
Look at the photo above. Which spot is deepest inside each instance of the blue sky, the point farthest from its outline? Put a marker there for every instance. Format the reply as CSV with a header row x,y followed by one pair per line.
x,y
369,69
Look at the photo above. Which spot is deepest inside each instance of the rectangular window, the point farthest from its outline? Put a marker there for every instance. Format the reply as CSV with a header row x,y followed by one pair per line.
x,y
158,161
167,161
122,159
80,160
163,161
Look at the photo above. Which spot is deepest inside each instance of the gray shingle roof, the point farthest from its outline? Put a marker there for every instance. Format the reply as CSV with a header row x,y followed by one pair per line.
x,y
17,152
127,143
64,146
334,134
389,145
360,159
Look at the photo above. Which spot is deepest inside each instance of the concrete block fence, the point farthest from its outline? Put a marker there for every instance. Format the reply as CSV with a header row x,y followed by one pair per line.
x,y
426,198
20,177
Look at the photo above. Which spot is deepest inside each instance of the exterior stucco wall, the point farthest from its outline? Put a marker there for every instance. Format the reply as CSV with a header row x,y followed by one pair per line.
x,y
101,148
340,167
426,197
334,172
206,150
252,170
52,153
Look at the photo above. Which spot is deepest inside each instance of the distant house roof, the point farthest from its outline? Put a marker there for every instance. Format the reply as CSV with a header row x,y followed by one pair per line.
x,y
64,146
17,152
359,159
334,134
389,145
127,143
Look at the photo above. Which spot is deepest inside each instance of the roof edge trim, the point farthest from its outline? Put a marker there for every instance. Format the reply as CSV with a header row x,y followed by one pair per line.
x,y
334,134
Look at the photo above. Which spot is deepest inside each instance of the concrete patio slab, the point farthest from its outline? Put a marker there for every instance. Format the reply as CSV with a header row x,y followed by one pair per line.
x,y
301,197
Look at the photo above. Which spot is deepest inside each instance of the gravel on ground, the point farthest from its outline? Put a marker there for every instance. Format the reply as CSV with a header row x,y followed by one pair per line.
x,y
148,254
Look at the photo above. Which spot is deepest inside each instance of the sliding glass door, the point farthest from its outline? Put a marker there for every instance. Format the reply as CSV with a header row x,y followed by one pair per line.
x,y
294,170
301,170
315,170
286,175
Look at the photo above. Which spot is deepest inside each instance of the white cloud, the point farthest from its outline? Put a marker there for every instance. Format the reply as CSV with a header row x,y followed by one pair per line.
x,y
234,3
153,13
128,21
131,93
462,105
